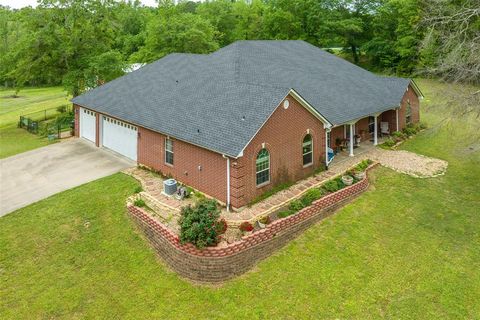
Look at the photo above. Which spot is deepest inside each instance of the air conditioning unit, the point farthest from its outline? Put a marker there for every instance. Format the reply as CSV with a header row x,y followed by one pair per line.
x,y
170,187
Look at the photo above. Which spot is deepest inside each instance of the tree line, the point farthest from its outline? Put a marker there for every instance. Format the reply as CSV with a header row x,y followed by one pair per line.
x,y
79,43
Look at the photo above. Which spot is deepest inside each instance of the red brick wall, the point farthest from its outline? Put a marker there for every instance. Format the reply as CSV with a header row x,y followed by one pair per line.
x,y
415,106
283,135
211,179
76,109
337,132
361,129
391,117
217,264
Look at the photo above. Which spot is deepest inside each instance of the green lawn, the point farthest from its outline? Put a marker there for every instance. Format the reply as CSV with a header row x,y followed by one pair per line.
x,y
14,140
406,249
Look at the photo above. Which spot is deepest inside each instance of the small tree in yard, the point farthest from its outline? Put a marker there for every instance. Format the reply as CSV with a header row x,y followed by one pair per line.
x,y
201,224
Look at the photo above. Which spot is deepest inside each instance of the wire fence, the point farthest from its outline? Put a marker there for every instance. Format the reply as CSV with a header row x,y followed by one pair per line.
x,y
54,123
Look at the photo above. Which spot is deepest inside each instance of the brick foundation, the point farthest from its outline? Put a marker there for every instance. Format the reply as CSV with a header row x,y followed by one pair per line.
x,y
217,264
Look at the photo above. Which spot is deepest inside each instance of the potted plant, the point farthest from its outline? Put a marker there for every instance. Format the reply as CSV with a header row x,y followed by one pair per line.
x,y
347,180
359,174
262,222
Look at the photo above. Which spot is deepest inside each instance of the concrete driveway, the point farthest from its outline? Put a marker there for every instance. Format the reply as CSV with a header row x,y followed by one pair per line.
x,y
34,175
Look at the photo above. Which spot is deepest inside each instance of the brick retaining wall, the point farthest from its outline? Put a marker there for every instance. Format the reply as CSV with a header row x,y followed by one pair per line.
x,y
217,264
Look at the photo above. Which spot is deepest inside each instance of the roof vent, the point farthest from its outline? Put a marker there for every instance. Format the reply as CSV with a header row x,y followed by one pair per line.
x,y
243,118
198,130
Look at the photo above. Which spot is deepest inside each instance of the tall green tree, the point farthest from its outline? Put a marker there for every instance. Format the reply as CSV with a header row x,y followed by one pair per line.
x,y
170,31
396,36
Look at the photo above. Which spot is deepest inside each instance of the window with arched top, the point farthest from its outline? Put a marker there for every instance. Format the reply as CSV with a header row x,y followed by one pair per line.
x,y
307,150
263,167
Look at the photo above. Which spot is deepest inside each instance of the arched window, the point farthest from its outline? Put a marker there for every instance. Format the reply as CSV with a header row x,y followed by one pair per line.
x,y
307,150
263,167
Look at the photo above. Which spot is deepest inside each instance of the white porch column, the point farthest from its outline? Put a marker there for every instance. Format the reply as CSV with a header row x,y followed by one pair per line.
x,y
396,113
375,130
350,145
326,146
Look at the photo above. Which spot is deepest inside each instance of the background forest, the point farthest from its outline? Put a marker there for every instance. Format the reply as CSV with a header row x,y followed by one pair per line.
x,y
79,43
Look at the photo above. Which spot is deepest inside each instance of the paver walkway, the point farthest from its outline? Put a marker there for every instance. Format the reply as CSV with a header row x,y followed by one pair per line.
x,y
401,161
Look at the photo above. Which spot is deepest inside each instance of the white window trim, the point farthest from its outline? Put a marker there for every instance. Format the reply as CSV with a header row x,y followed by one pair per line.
x,y
170,151
311,151
257,172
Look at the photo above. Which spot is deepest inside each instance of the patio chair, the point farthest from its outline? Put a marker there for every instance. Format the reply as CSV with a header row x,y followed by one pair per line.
x,y
384,129
331,155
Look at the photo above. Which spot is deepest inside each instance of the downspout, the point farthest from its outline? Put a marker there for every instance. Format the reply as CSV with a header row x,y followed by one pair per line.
x,y
228,182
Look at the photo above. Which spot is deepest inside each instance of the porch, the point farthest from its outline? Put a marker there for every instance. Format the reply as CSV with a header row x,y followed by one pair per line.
x,y
358,136
361,151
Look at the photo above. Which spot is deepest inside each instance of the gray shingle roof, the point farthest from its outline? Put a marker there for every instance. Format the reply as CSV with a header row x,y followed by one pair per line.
x,y
220,100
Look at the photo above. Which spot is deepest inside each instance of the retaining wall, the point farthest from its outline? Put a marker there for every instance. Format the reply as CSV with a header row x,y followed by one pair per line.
x,y
217,264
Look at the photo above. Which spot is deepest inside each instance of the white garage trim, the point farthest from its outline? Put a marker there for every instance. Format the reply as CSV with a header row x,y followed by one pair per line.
x,y
88,121
120,137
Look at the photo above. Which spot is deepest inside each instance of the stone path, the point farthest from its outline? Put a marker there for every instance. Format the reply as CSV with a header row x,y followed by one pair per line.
x,y
401,161
410,163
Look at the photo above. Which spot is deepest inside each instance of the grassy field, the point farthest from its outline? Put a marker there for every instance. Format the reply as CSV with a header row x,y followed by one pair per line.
x,y
14,140
406,249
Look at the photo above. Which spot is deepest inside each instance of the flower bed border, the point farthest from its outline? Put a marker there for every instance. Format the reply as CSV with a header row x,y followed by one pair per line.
x,y
217,264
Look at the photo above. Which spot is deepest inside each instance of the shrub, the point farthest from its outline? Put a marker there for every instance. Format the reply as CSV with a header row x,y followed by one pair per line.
x,y
333,185
64,119
422,125
296,205
199,197
362,166
246,227
310,196
409,131
139,203
398,136
389,143
285,213
138,189
200,224
62,109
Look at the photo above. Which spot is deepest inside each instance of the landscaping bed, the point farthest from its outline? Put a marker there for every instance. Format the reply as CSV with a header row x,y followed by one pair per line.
x,y
199,221
200,253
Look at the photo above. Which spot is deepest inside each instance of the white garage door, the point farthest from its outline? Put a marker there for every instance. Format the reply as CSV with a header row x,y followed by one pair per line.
x,y
87,124
120,137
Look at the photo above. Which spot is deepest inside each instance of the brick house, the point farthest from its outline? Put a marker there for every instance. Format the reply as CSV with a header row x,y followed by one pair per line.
x,y
237,122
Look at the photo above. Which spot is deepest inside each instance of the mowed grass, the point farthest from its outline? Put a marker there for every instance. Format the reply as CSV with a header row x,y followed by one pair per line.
x,y
406,249
14,140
